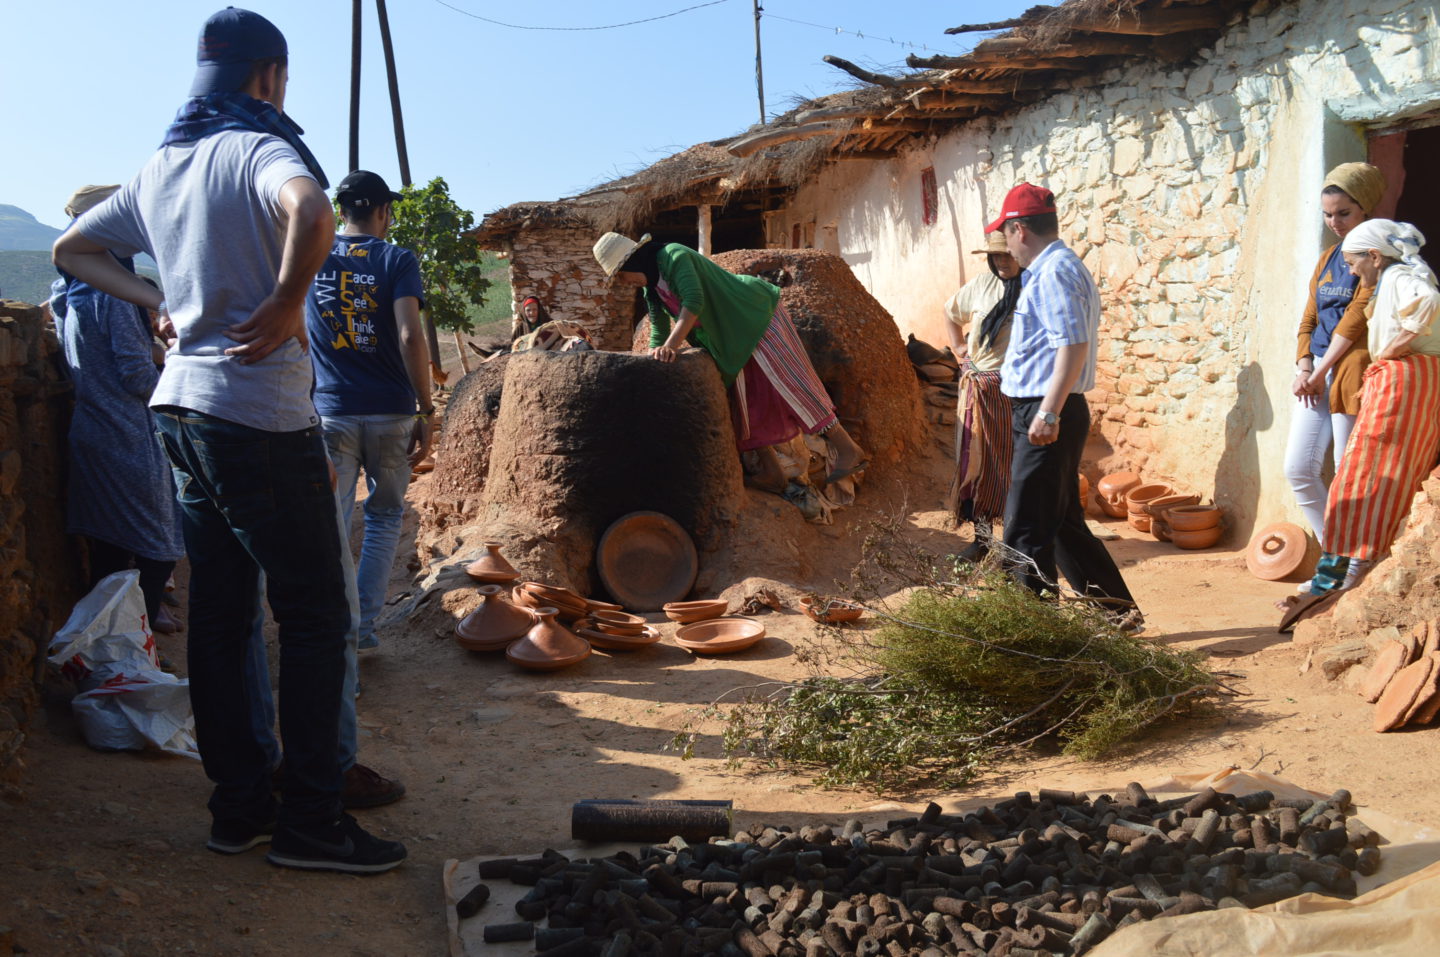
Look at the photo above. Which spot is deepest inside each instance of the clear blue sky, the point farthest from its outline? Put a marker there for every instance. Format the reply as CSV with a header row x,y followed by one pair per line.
x,y
88,86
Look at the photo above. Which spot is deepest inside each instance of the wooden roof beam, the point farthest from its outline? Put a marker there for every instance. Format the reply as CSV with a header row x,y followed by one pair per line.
x,y
755,142
1029,16
1077,45
859,72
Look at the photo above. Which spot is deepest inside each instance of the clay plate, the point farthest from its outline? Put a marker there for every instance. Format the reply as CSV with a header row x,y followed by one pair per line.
x,y
687,612
1277,552
646,559
1432,637
611,642
719,636
1387,663
1399,696
1429,707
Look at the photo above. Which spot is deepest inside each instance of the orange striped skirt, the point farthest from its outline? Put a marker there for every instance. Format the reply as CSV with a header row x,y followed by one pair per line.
x,y
1392,448
983,447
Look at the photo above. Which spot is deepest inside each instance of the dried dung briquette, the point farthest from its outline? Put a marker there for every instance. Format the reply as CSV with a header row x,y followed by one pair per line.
x,y
1395,702
1387,663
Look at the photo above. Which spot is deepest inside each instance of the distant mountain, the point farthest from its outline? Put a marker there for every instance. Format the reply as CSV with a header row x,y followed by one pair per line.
x,y
25,274
20,230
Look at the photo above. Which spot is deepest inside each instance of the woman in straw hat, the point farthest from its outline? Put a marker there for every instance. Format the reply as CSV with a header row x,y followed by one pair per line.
x,y
1397,435
121,497
774,391
983,445
1331,355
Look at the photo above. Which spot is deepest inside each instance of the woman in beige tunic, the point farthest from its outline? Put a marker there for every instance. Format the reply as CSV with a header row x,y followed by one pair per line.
x,y
983,447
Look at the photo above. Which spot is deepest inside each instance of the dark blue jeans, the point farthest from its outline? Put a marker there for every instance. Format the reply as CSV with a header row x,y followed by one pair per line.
x,y
254,501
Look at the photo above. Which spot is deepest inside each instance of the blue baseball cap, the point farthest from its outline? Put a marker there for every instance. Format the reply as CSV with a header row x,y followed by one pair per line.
x,y
230,41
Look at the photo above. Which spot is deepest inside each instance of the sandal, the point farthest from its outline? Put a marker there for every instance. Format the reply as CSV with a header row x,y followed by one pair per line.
x,y
1306,606
839,474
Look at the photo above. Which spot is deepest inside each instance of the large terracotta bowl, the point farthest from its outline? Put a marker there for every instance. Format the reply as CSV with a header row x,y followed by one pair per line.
x,y
719,636
831,611
1142,495
646,559
1196,537
1193,518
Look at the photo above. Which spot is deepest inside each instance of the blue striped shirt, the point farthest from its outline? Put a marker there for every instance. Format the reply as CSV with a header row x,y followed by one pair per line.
x,y
1059,306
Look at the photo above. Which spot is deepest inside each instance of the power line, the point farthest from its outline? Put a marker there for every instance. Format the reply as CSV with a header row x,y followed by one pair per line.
x,y
862,36
608,26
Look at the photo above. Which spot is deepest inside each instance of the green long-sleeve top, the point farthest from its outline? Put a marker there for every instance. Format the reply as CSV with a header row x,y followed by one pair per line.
x,y
733,311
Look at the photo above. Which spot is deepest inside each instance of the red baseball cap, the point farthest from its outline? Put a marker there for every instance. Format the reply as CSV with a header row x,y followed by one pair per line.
x,y
1026,199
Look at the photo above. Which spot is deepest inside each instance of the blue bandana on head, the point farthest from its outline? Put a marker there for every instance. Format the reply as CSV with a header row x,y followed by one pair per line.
x,y
203,115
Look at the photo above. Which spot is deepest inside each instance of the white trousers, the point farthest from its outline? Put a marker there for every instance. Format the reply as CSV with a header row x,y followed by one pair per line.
x,y
1314,431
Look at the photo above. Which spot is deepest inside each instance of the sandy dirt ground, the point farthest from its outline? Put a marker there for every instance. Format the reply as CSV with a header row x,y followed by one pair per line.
x,y
103,853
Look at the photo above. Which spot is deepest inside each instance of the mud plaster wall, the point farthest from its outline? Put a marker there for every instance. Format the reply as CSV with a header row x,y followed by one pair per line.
x,y
1193,195
555,264
38,569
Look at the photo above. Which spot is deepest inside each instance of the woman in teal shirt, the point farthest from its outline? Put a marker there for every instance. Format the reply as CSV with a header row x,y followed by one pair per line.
x,y
774,391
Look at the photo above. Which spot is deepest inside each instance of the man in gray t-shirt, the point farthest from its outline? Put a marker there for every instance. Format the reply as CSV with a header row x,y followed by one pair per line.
x,y
232,207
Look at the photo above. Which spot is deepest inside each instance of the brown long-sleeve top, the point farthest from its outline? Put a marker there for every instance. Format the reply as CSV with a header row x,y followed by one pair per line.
x,y
1345,387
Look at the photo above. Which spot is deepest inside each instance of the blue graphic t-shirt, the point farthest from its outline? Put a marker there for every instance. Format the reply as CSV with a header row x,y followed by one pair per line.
x,y
350,318
1333,294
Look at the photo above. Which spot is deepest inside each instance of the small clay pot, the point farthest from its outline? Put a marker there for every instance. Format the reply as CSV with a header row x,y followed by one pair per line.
x,y
1139,521
1141,495
1193,518
492,568
831,611
1112,489
548,645
1195,537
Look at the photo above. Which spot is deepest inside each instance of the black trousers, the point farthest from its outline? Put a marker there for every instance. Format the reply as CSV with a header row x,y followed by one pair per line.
x,y
1043,517
106,559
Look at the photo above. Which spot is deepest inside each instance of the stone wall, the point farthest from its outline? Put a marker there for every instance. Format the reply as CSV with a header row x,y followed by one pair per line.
x,y
39,572
555,264
1192,192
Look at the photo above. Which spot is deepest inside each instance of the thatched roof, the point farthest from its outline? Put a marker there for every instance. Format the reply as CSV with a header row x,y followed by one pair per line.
x,y
1045,49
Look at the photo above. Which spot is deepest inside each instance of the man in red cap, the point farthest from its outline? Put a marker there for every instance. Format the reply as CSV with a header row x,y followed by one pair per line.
x,y
1049,366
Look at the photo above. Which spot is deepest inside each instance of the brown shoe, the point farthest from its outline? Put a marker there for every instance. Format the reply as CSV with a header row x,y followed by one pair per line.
x,y
363,787
165,623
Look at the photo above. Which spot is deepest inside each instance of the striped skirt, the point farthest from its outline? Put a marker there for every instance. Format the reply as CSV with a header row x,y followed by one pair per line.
x,y
983,448
1392,448
777,394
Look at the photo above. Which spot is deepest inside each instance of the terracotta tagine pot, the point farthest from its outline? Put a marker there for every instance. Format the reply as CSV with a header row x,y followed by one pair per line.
x,y
719,636
1278,551
1112,489
1193,518
494,623
1195,537
548,645
492,568
831,611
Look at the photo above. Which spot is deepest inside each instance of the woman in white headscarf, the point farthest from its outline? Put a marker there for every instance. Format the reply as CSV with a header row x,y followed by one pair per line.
x,y
1397,436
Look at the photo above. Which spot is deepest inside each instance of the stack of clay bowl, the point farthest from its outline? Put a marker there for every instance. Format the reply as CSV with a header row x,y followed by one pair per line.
x,y
1138,498
494,623
569,606
831,611
1404,682
492,568
689,612
615,630
719,636
1111,490
548,645
1194,526
1159,524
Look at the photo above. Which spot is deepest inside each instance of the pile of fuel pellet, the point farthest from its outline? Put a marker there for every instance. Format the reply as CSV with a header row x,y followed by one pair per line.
x,y
1053,873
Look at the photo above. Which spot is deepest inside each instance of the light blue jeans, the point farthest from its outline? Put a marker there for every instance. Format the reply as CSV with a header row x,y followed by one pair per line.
x,y
377,444
1315,431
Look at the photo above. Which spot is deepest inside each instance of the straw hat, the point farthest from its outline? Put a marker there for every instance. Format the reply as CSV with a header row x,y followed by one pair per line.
x,y
88,197
612,249
994,243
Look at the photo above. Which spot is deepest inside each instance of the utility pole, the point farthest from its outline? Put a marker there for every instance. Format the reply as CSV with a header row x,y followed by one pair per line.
x,y
759,70
355,19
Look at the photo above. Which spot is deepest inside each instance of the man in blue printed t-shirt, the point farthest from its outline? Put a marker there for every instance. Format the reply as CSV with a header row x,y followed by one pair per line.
x,y
1049,366
371,370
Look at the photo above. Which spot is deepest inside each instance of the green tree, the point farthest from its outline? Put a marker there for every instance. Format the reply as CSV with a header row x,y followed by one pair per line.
x,y
430,224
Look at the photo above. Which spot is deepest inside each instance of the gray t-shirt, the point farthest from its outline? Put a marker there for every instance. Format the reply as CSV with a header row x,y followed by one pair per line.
x,y
209,213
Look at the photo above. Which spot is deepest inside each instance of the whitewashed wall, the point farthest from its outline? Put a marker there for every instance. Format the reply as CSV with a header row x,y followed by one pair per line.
x,y
1193,195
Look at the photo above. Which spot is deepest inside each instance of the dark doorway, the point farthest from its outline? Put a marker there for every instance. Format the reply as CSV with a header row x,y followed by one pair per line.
x,y
1409,159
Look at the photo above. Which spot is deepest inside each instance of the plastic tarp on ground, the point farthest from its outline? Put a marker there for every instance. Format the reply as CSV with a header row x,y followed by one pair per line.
x,y
1397,914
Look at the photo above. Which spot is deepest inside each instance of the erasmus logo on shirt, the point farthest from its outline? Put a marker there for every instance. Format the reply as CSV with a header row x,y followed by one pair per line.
x,y
346,306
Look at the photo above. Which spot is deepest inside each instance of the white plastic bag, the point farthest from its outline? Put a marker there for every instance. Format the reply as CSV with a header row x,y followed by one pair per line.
x,y
125,702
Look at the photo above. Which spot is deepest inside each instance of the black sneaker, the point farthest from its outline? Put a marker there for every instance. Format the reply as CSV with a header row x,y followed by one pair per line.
x,y
237,835
342,846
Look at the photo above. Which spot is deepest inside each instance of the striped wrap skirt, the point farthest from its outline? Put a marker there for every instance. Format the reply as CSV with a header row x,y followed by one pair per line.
x,y
983,448
1392,448
777,394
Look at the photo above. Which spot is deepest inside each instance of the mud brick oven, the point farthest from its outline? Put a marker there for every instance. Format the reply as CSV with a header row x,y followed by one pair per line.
x,y
39,571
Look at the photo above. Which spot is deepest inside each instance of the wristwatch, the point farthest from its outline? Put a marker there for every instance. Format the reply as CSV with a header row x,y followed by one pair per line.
x,y
1048,418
